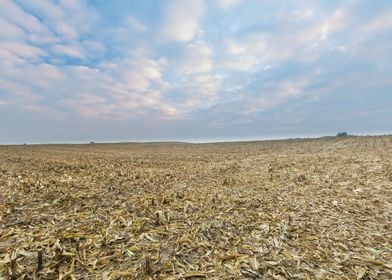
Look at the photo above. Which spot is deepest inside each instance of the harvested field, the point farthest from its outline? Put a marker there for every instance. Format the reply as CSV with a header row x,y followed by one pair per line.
x,y
293,209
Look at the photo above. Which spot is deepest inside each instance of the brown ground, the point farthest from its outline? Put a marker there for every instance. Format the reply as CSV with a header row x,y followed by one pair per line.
x,y
295,209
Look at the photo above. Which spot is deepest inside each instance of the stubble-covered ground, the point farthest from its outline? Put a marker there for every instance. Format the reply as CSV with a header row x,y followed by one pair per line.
x,y
294,209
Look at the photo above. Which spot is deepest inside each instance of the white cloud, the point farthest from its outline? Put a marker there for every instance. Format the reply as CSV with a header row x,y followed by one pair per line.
x,y
197,92
182,18
197,59
290,89
19,94
135,24
10,31
149,68
247,54
273,97
234,48
14,14
93,48
79,15
80,50
380,23
90,106
45,22
227,4
129,88
68,19
69,50
333,23
51,73
304,14
134,80
119,89
21,50
300,42
137,73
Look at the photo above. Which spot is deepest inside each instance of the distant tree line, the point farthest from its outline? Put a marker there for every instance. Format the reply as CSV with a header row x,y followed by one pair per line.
x,y
342,134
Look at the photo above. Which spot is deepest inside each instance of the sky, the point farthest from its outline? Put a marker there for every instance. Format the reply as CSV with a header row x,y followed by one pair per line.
x,y
193,70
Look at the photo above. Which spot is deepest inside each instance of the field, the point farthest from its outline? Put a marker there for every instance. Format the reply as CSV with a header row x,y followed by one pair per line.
x,y
292,209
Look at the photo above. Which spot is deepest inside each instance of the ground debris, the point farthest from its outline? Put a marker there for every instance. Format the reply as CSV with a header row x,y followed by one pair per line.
x,y
294,209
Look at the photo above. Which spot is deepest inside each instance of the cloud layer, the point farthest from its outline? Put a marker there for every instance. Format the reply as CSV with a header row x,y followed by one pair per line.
x,y
193,69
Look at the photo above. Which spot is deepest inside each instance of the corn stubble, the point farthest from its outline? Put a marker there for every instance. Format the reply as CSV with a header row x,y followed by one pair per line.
x,y
294,209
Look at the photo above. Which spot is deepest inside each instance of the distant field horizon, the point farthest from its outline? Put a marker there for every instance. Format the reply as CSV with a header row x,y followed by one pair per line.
x,y
191,140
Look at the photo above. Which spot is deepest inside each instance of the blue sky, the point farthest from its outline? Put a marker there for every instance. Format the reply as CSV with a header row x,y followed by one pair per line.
x,y
74,71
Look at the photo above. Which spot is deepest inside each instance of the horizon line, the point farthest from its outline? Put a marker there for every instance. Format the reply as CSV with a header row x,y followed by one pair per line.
x,y
193,141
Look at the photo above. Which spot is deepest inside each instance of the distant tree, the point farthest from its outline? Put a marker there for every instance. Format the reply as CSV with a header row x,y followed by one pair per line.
x,y
92,142
342,134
